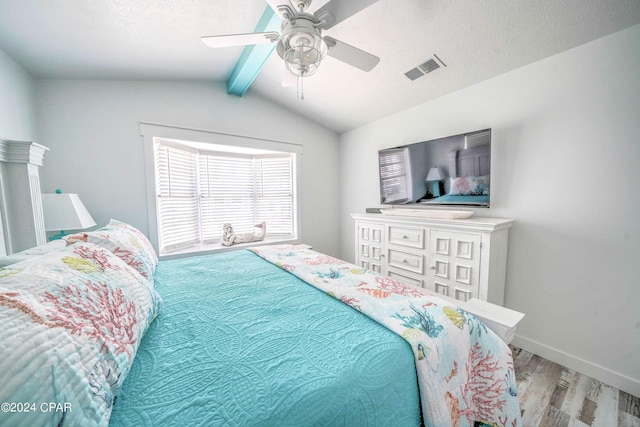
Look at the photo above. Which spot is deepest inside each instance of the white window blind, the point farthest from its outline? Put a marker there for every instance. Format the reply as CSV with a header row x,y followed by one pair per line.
x,y
395,175
274,185
201,191
476,139
177,197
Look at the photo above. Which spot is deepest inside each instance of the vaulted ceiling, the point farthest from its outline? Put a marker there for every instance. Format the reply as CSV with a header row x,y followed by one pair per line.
x,y
160,40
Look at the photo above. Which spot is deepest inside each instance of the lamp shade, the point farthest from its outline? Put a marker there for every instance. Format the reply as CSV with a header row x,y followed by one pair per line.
x,y
435,174
65,212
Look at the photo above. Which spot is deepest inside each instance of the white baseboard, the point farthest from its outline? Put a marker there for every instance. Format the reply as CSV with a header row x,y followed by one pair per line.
x,y
600,373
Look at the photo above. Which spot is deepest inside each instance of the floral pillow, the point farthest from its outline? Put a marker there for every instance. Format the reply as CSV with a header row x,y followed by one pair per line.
x,y
125,241
469,186
72,321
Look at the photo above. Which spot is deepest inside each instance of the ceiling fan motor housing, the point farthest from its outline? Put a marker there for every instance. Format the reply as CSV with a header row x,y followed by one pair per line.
x,y
301,4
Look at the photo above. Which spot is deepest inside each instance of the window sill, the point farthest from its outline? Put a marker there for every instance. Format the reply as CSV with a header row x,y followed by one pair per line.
x,y
213,248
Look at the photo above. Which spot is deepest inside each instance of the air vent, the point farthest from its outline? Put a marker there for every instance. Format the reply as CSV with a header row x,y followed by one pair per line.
x,y
424,68
414,73
428,66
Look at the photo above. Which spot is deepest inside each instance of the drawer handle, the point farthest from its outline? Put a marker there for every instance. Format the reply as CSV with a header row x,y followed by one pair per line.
x,y
404,261
405,237
433,267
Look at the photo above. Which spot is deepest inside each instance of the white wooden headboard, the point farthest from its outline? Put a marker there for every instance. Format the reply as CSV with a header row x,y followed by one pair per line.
x,y
20,196
474,161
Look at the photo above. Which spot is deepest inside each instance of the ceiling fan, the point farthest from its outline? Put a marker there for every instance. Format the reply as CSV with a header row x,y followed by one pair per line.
x,y
300,43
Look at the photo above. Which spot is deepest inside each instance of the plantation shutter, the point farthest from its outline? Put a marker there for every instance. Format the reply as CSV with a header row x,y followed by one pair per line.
x,y
176,197
394,175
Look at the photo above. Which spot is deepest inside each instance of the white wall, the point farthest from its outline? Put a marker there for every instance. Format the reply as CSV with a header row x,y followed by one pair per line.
x,y
17,117
566,167
17,122
92,130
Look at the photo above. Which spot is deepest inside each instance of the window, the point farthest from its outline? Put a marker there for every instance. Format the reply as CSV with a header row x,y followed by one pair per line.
x,y
246,190
199,187
395,175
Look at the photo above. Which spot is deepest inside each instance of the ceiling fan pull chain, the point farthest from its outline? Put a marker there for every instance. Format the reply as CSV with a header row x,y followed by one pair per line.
x,y
300,87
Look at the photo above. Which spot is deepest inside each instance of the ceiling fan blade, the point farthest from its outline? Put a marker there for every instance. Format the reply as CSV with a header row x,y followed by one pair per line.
x,y
280,7
351,55
336,11
240,39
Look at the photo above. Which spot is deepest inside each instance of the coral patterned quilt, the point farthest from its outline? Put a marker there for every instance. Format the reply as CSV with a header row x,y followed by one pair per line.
x,y
465,371
70,325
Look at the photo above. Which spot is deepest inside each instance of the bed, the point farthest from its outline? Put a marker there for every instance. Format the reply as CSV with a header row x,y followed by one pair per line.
x,y
99,333
469,180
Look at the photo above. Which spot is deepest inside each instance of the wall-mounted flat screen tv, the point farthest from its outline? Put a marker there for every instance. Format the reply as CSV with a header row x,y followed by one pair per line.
x,y
449,171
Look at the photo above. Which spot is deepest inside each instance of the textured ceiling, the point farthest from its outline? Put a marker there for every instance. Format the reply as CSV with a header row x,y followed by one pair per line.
x,y
160,40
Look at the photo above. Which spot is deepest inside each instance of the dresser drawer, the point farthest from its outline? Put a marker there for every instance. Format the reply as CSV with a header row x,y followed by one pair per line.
x,y
404,277
411,237
406,261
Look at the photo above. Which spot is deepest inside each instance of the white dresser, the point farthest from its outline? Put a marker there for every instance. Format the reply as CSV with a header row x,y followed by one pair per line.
x,y
464,260
457,258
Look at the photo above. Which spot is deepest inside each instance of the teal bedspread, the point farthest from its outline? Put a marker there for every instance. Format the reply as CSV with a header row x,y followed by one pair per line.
x,y
465,371
482,200
240,342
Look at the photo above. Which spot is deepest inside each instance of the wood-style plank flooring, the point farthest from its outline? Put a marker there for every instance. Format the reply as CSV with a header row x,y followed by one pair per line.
x,y
554,396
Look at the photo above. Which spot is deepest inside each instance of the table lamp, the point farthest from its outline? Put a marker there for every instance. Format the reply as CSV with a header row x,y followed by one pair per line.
x,y
64,211
435,176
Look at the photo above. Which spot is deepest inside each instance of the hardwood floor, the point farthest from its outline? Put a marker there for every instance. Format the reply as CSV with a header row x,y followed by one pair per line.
x,y
554,396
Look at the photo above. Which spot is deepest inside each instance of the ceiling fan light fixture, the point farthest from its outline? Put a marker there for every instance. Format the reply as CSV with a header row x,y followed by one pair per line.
x,y
301,45
304,54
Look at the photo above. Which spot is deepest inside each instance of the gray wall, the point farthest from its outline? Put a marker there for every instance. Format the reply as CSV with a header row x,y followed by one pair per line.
x,y
92,129
566,156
